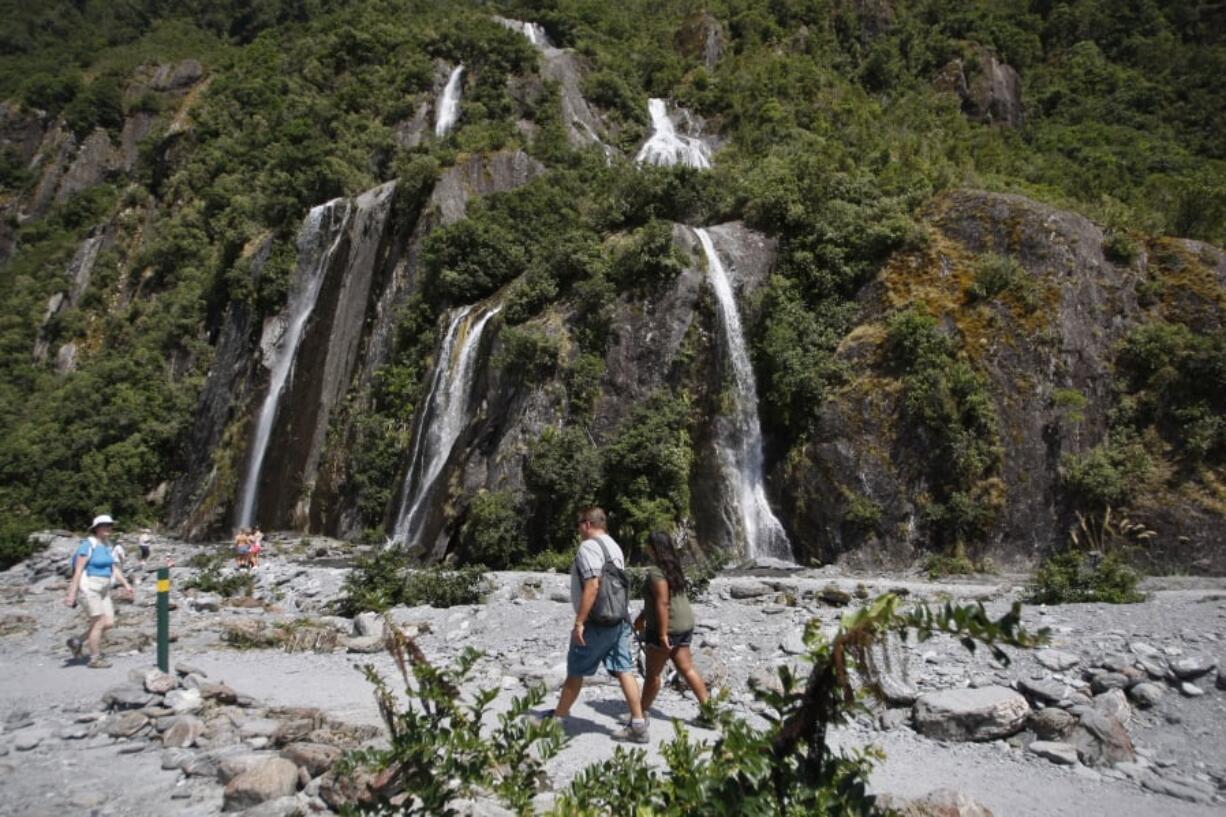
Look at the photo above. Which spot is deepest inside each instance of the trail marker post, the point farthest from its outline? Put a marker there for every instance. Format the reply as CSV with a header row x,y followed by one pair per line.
x,y
164,619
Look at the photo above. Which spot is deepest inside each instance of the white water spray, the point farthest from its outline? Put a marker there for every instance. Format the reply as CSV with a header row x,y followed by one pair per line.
x,y
448,111
445,415
322,222
666,146
535,32
740,443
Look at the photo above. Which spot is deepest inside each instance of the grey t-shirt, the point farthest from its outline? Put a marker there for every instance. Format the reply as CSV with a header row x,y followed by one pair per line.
x,y
589,563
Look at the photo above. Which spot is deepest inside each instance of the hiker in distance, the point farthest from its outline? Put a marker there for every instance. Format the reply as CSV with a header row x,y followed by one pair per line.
x,y
601,632
667,621
94,571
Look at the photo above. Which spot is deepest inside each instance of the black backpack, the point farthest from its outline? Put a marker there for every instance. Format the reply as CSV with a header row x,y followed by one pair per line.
x,y
613,598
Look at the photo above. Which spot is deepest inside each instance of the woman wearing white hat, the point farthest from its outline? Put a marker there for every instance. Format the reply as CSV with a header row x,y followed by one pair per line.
x,y
94,569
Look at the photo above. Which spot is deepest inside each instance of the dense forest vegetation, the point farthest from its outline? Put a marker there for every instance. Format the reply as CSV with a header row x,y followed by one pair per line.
x,y
835,133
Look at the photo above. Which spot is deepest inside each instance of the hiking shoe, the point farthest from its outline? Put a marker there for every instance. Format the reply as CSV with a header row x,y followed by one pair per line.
x,y
76,646
633,734
99,663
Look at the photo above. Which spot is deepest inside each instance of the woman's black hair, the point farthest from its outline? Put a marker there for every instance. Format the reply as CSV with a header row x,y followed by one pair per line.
x,y
668,561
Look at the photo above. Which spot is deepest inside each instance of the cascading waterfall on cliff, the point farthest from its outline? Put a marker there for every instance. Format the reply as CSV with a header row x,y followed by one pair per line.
x,y
666,146
445,414
740,442
324,225
448,109
535,32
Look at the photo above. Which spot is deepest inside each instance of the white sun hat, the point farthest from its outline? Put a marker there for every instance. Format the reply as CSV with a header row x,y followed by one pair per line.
x,y
104,519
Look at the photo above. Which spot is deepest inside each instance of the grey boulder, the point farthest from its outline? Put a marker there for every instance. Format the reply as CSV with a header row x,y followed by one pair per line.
x,y
273,778
1056,751
985,713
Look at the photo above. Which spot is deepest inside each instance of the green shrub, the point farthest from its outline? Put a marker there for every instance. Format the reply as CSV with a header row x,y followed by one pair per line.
x,y
526,354
996,275
15,543
98,105
493,531
441,587
698,576
563,474
1070,578
548,561
861,512
212,580
1112,473
1120,249
649,259
1071,404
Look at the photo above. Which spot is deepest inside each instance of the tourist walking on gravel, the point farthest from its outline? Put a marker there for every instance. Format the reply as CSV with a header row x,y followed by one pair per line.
x,y
667,620
601,632
94,571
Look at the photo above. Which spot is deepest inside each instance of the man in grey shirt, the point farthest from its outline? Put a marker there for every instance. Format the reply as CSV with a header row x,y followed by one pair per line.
x,y
592,644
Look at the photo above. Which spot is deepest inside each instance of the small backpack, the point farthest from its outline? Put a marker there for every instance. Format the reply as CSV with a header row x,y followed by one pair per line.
x,y
89,555
613,597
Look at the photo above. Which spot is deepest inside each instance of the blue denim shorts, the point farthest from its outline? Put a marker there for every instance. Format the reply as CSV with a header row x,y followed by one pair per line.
x,y
608,644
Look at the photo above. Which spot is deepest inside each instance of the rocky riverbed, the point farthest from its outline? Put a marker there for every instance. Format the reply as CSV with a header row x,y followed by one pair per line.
x,y
1123,713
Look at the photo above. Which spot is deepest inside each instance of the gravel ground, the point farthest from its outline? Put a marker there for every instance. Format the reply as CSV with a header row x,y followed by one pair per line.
x,y
522,631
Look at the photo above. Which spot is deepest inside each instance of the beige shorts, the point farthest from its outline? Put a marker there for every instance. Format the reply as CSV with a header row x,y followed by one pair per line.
x,y
96,590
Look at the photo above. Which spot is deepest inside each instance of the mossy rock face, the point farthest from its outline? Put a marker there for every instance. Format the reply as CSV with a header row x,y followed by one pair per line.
x,y
1031,354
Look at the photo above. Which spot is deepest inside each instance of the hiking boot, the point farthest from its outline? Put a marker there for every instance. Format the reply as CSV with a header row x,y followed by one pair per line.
x,y
99,663
76,646
633,734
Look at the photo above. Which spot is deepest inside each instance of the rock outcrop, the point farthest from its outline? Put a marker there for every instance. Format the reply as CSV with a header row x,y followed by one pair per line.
x,y
990,90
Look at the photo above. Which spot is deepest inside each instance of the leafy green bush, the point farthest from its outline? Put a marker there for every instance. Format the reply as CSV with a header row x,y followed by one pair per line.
x,y
698,576
493,531
861,512
15,544
996,275
441,587
563,474
1070,577
1120,249
1112,473
212,580
383,579
527,354
649,259
548,561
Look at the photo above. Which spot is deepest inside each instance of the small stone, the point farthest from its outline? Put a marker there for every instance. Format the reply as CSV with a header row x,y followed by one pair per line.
x,y
218,692
1044,691
175,759
368,625
289,806
232,766
1057,752
1221,677
158,682
184,733
1190,690
27,743
896,691
1101,740
125,724
272,778
834,596
1051,723
559,597
970,714
1057,660
206,604
1114,704
364,645
189,669
1192,667
794,644
184,701
126,696
892,719
1109,680
748,590
316,758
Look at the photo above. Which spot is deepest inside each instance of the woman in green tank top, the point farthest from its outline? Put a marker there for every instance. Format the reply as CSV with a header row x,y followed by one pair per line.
x,y
667,621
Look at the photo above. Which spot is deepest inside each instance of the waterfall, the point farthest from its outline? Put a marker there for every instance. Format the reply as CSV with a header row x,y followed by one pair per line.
x,y
535,32
740,442
666,146
323,223
448,110
444,416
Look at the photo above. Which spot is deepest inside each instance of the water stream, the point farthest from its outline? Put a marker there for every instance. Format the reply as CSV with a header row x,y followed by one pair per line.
x,y
740,441
666,146
535,32
445,415
317,242
448,109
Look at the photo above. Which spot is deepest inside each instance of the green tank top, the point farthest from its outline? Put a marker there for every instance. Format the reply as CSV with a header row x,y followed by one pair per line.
x,y
680,615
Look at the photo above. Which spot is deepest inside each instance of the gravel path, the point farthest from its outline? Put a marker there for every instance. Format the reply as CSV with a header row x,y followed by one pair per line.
x,y
523,637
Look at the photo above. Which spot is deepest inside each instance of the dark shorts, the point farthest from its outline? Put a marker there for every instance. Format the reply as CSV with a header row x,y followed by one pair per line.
x,y
652,639
607,645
